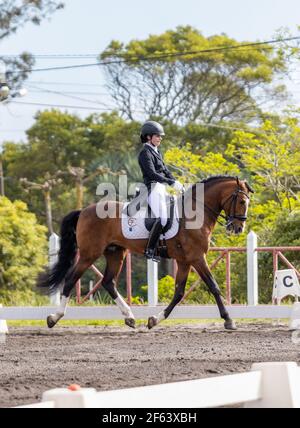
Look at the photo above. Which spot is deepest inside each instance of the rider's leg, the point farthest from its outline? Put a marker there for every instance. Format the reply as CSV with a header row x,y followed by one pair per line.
x,y
153,241
157,202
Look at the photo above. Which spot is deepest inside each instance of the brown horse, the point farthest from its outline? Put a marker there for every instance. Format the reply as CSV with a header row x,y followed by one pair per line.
x,y
94,237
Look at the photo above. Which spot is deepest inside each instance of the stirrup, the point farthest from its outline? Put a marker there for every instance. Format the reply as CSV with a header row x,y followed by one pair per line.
x,y
150,255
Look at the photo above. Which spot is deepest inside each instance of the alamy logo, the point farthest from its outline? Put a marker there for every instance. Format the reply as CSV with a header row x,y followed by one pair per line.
x,y
191,209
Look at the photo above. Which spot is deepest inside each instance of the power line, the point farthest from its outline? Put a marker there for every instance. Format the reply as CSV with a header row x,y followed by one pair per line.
x,y
253,131
38,91
66,83
13,130
48,91
62,106
164,56
52,56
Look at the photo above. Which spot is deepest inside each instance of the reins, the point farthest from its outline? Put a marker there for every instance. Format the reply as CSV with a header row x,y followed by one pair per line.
x,y
233,203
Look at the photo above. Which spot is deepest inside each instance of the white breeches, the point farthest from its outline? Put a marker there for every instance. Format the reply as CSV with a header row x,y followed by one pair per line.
x,y
158,202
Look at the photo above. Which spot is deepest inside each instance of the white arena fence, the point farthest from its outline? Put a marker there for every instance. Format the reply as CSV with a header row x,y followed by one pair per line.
x,y
250,311
268,385
143,312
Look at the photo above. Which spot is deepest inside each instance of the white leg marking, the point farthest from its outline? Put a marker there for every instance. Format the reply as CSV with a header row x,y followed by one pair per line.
x,y
61,310
124,308
161,317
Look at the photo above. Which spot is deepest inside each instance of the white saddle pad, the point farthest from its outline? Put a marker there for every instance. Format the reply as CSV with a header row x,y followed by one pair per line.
x,y
134,227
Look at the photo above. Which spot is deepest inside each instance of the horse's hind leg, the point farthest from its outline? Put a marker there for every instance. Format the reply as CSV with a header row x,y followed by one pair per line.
x,y
71,279
115,259
180,283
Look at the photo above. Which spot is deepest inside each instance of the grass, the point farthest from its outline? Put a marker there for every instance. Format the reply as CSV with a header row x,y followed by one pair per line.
x,y
120,323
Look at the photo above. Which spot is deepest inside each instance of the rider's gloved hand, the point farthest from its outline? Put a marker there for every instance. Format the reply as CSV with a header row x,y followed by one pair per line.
x,y
178,186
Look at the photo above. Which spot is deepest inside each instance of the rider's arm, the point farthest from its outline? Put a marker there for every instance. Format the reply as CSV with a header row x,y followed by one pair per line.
x,y
148,168
169,174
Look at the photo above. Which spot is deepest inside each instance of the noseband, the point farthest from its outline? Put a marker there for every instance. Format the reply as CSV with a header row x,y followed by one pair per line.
x,y
232,209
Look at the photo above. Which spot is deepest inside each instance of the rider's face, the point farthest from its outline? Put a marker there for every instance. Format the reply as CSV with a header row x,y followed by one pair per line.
x,y
156,140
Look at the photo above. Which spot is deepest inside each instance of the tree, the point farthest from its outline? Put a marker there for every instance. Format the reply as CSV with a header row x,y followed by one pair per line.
x,y
46,189
55,140
209,87
14,14
64,146
23,249
193,167
110,133
272,155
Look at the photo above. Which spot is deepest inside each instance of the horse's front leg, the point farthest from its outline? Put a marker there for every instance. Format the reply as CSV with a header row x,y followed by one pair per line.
x,y
180,283
203,270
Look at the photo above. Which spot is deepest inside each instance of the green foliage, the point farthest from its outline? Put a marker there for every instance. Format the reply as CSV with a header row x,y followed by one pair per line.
x,y
273,158
58,140
23,249
210,86
198,98
192,166
166,288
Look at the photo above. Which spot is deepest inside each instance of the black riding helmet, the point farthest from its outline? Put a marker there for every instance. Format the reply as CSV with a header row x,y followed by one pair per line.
x,y
151,128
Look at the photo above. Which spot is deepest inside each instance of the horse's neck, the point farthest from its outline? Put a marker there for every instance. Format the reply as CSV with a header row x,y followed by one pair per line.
x,y
199,204
213,197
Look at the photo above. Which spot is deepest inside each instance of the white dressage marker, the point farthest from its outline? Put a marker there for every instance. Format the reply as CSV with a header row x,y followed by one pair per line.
x,y
285,284
3,326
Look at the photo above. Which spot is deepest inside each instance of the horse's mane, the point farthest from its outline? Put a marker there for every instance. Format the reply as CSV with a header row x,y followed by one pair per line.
x,y
216,178
211,180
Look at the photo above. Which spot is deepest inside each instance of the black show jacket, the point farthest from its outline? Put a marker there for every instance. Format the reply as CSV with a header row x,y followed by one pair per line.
x,y
153,167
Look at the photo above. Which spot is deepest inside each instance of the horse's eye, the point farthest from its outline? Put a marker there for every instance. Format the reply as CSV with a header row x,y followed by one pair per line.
x,y
243,202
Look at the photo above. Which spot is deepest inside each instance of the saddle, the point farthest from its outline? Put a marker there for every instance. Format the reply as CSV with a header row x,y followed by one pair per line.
x,y
140,201
138,219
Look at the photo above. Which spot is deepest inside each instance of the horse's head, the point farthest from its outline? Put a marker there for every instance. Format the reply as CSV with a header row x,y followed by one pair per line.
x,y
235,204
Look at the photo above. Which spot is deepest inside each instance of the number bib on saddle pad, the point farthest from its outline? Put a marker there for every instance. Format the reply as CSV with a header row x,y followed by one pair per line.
x,y
133,227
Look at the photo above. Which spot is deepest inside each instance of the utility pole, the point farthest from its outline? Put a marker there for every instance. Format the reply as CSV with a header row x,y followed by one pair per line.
x,y
81,178
45,188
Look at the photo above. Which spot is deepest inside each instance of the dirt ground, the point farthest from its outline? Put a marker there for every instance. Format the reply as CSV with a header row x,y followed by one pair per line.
x,y
34,359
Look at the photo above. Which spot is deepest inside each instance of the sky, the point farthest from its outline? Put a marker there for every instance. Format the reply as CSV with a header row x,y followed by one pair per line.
x,y
87,27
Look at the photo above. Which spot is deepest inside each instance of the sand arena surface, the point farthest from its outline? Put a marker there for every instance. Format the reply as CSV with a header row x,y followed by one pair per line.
x,y
35,359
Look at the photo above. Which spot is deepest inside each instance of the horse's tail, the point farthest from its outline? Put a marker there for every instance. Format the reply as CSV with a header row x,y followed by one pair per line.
x,y
54,276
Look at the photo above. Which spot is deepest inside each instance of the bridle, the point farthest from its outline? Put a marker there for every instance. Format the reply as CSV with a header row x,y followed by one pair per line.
x,y
232,199
232,209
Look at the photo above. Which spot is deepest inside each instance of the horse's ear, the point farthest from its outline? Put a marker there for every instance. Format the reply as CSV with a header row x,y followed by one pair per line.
x,y
238,181
251,190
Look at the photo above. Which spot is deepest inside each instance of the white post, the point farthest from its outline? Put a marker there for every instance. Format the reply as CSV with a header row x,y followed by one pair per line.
x,y
252,269
279,386
91,286
3,329
152,276
54,246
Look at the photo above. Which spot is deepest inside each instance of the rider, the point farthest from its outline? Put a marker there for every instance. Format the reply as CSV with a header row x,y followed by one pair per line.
x,y
156,176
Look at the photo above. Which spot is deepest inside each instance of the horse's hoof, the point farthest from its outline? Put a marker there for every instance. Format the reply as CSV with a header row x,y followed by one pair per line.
x,y
130,322
50,321
230,325
152,322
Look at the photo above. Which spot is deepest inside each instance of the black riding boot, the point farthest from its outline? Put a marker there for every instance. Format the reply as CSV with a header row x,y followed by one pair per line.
x,y
153,241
